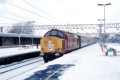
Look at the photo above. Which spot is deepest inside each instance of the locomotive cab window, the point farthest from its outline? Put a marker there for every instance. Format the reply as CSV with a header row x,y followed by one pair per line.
x,y
54,33
60,34
48,34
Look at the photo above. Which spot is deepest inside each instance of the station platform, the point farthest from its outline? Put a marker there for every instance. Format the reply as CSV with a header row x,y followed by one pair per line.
x,y
6,52
114,46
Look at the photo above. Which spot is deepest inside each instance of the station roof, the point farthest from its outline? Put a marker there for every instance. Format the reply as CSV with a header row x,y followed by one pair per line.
x,y
19,35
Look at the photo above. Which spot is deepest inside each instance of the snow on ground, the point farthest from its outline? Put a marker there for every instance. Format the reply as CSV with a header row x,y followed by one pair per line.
x,y
89,63
114,45
4,52
92,64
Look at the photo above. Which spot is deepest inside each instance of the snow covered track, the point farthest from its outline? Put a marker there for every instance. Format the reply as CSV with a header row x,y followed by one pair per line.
x,y
52,72
19,68
55,72
11,67
15,63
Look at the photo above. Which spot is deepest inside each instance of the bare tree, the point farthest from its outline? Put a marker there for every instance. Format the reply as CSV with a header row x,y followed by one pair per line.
x,y
22,28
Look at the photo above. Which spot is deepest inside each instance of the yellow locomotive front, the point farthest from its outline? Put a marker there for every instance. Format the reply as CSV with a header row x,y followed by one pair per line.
x,y
51,44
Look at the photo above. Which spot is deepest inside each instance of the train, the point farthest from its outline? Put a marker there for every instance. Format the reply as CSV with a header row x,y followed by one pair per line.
x,y
56,43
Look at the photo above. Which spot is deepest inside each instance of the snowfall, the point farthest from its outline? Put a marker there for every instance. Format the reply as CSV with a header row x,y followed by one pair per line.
x,y
88,63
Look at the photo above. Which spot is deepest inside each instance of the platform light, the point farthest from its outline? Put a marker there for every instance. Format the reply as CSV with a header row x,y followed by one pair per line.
x,y
104,20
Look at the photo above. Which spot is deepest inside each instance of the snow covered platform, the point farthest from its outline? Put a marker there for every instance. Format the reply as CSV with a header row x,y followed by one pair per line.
x,y
6,52
114,46
88,63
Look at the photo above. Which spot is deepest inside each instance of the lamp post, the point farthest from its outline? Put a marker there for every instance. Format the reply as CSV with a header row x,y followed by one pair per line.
x,y
104,20
100,29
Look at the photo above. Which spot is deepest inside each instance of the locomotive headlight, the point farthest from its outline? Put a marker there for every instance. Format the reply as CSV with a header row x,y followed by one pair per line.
x,y
57,54
41,54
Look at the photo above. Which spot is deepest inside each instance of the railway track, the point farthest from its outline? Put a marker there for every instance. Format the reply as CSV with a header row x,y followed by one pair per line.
x,y
57,71
15,63
20,68
11,67
52,72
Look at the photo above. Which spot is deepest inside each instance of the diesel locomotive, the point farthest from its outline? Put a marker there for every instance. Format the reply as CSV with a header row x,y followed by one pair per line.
x,y
57,42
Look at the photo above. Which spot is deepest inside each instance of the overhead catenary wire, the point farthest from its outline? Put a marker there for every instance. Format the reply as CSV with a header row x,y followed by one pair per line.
x,y
41,10
30,12
10,18
14,15
26,19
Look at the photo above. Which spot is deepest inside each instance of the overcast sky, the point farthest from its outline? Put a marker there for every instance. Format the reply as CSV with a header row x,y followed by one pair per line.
x,y
58,11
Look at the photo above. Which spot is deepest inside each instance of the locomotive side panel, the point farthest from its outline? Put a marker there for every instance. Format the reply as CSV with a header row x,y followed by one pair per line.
x,y
73,42
64,46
